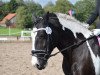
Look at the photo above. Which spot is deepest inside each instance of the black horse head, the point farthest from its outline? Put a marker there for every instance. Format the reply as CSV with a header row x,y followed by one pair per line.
x,y
48,34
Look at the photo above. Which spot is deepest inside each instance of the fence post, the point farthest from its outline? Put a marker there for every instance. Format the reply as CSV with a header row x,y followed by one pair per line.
x,y
9,30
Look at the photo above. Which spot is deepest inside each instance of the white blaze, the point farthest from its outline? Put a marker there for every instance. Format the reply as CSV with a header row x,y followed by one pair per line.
x,y
34,60
33,34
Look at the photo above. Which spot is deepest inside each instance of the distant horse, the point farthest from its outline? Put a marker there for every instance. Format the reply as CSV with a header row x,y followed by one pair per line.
x,y
79,47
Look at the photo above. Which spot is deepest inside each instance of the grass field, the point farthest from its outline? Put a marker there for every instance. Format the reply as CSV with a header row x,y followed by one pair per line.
x,y
10,31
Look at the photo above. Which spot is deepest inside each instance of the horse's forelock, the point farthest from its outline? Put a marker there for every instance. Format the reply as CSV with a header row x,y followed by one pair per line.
x,y
46,16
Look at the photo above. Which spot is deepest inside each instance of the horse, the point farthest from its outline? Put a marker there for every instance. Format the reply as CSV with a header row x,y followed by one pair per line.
x,y
77,44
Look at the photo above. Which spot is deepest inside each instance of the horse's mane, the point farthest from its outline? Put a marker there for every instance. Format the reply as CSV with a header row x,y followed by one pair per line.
x,y
68,17
73,24
71,18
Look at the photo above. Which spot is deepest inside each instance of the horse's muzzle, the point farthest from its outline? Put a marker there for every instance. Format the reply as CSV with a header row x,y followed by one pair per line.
x,y
41,67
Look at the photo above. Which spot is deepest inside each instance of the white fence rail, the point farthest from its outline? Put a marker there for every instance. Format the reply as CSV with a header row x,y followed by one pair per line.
x,y
3,39
10,34
24,35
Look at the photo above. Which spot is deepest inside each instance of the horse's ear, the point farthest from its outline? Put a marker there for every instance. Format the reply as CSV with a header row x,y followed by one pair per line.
x,y
48,13
33,17
47,16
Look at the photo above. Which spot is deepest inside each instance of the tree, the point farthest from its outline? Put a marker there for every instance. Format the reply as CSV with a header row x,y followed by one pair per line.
x,y
24,14
10,7
21,17
84,8
24,11
63,6
34,7
39,11
49,7
20,2
13,5
4,10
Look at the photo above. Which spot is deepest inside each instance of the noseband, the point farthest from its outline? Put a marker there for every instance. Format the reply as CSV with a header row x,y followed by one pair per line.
x,y
43,52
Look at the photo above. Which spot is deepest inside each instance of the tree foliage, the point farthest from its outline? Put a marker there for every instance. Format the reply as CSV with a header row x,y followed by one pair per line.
x,y
84,8
34,7
21,17
13,5
9,7
20,2
63,6
25,9
4,10
24,14
49,7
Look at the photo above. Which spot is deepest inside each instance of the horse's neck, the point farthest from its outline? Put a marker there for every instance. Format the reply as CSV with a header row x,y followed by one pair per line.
x,y
66,39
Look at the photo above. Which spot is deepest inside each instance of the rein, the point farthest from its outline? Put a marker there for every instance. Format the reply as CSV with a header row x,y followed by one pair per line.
x,y
74,45
49,31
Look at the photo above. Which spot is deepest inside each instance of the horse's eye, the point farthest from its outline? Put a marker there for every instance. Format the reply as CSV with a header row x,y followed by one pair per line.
x,y
41,36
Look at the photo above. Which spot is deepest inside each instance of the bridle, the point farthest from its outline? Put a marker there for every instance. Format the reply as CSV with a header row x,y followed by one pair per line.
x,y
46,52
48,30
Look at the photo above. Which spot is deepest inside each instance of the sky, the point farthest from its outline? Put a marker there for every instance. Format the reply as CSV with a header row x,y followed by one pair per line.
x,y
44,2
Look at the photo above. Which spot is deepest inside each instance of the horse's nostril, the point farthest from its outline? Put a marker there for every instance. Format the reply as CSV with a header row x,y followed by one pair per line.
x,y
37,65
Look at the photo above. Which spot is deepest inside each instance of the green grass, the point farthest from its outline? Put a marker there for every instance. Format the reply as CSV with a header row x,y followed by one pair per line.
x,y
13,31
